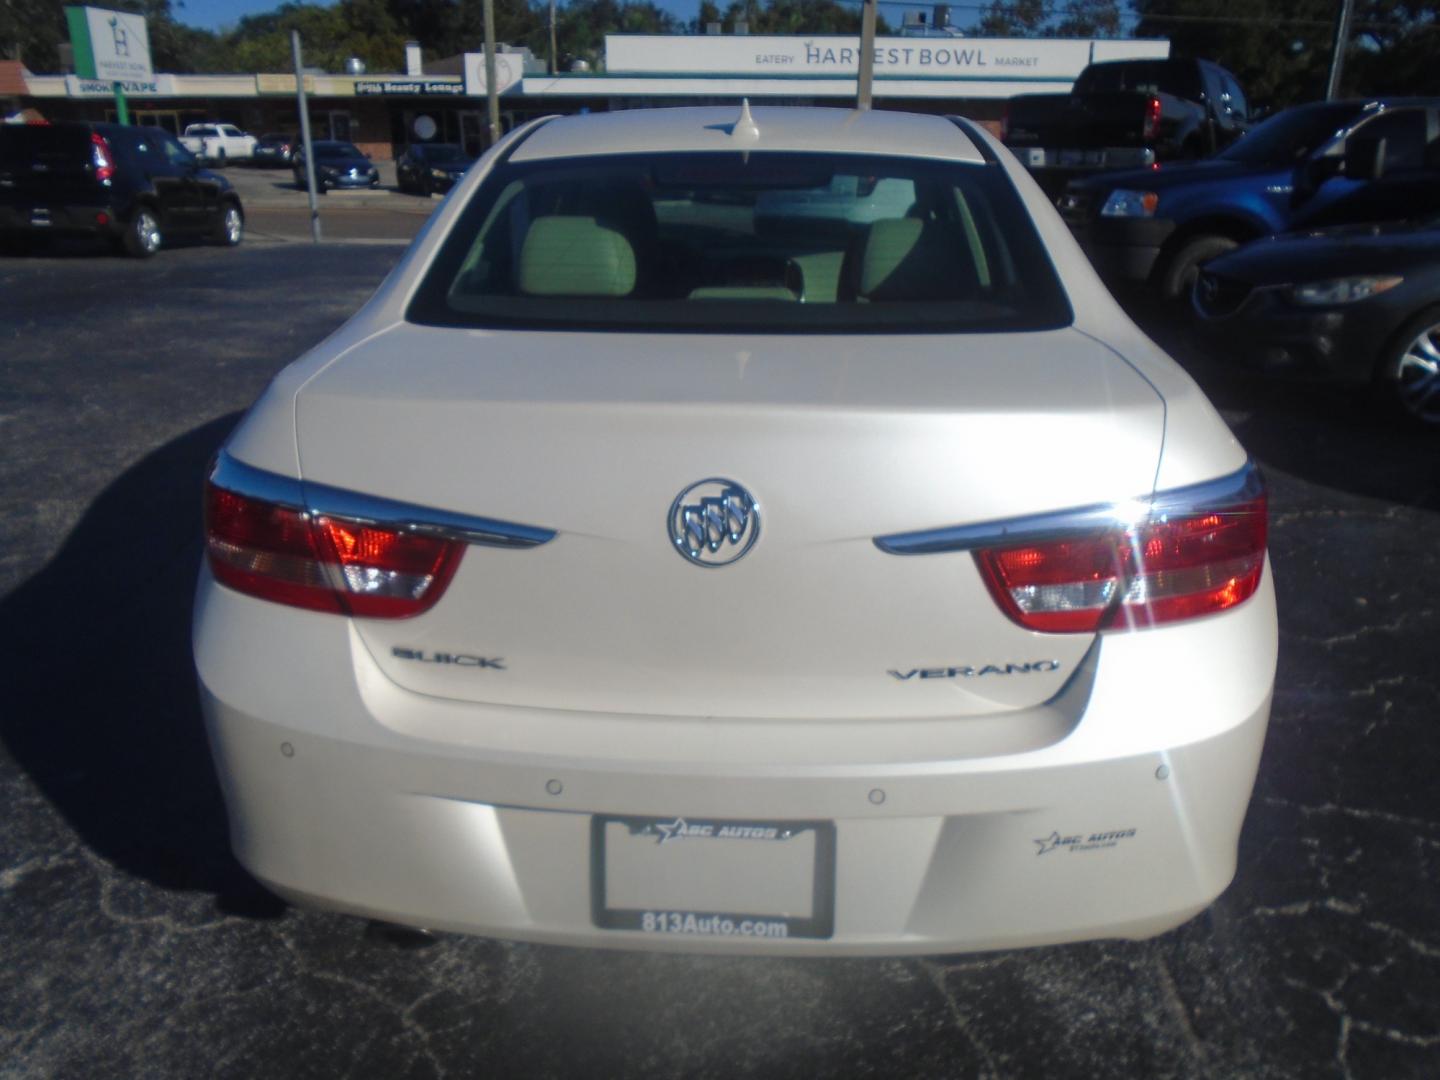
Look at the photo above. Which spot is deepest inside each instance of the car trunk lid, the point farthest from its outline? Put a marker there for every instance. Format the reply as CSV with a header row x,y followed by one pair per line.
x,y
837,439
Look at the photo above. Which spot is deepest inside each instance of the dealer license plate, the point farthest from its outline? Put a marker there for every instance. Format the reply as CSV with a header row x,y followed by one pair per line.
x,y
708,877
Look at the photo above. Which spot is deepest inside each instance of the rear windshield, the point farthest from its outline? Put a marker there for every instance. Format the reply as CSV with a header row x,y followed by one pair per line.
x,y
336,150
29,144
721,242
1145,76
444,154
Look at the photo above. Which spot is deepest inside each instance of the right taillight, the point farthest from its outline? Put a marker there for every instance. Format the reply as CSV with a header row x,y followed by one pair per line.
x,y
1153,110
323,562
1181,557
101,158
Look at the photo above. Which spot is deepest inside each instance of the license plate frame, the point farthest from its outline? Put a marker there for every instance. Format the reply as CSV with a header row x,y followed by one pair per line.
x,y
820,924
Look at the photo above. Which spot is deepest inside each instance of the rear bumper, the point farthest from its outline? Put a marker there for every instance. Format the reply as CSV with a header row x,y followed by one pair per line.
x,y
40,219
349,793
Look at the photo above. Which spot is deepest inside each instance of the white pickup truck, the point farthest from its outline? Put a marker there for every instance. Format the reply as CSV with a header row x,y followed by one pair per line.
x,y
219,143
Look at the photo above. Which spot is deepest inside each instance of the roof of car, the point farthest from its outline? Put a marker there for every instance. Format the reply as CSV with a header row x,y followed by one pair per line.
x,y
780,128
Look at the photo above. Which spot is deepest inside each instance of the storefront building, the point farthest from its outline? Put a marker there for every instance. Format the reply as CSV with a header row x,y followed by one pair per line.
x,y
383,113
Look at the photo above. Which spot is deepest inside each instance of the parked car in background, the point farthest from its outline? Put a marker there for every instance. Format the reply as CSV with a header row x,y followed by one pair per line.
x,y
132,186
273,149
1356,305
1161,224
1125,114
338,164
624,574
218,143
429,168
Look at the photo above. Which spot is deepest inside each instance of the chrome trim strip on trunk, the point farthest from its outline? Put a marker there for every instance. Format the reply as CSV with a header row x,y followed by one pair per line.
x,y
321,499
1240,486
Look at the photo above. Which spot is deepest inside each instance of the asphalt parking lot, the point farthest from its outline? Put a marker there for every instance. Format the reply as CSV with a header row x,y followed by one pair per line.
x,y
135,946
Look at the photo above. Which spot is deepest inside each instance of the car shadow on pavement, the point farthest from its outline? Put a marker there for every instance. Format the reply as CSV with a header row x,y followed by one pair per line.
x,y
1337,437
1332,437
102,709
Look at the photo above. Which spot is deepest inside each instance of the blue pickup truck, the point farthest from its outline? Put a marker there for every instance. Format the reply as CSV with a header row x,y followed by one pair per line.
x,y
1160,224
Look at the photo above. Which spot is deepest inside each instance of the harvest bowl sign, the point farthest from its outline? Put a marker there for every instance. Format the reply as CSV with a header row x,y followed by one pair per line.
x,y
649,54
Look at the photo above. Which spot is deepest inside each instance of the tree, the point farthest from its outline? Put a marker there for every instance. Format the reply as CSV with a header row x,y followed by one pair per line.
x,y
331,35
1090,19
1394,47
1041,18
1013,18
34,30
1279,49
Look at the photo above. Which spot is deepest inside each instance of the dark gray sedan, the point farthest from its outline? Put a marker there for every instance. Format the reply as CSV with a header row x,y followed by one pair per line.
x,y
1356,305
337,165
431,167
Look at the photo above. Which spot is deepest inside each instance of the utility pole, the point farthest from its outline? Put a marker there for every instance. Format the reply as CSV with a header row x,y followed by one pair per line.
x,y
305,134
1337,51
554,56
492,93
867,55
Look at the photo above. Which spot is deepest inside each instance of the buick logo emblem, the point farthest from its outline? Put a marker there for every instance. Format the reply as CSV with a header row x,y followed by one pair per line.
x,y
1209,287
714,522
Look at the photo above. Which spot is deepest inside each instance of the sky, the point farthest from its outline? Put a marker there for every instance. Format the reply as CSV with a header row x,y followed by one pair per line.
x,y
213,14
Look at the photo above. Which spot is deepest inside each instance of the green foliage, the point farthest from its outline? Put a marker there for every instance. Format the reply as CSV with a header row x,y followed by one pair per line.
x,y
329,35
1089,19
1013,18
1279,49
787,17
1043,18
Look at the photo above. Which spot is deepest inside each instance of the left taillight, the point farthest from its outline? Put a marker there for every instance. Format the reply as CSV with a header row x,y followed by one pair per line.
x,y
101,157
1184,556
322,562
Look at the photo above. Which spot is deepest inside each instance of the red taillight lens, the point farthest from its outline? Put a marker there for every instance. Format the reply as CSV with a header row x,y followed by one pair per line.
x,y
1173,566
324,563
102,158
1152,118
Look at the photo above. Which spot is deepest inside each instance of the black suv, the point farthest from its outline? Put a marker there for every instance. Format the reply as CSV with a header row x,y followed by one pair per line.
x,y
133,186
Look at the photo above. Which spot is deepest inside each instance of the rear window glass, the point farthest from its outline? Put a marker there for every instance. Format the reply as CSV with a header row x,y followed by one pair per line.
x,y
27,144
1149,77
721,242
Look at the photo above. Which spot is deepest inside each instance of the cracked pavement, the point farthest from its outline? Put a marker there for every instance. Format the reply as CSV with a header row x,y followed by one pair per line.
x,y
135,946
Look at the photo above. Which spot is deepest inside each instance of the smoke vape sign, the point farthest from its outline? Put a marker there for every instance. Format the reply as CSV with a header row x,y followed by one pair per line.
x,y
112,46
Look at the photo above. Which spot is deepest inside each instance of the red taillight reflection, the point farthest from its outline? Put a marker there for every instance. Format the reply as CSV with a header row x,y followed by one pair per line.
x,y
1152,118
324,563
1159,571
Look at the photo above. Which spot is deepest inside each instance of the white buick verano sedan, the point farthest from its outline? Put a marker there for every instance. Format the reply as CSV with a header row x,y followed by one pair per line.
x,y
740,532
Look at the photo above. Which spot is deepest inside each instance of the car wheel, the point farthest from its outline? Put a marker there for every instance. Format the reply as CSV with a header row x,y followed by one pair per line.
x,y
1409,372
230,227
1178,276
142,236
